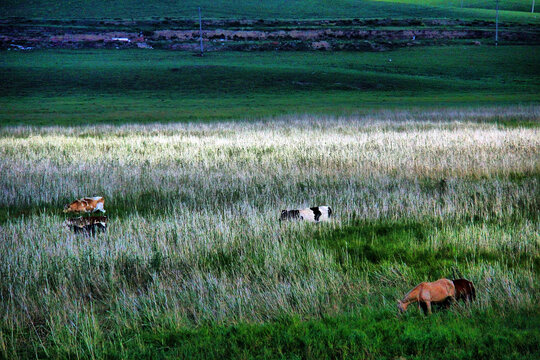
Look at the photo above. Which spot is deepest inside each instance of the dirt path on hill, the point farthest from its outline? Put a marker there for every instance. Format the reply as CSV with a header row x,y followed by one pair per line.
x,y
255,35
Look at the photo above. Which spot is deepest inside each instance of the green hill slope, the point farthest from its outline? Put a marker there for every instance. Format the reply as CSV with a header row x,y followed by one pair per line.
x,y
512,5
97,86
301,9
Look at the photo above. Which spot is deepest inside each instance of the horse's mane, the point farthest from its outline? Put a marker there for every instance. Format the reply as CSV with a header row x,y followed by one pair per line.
x,y
407,294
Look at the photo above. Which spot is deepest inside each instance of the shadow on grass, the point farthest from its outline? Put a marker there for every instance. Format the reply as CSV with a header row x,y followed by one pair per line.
x,y
369,244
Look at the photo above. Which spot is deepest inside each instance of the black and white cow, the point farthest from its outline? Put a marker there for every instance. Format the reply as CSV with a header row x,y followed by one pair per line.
x,y
314,214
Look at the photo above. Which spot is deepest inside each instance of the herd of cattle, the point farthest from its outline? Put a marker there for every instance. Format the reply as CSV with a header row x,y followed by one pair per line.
x,y
91,225
442,292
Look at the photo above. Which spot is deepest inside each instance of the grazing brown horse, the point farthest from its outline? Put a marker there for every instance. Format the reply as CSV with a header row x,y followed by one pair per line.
x,y
464,291
428,292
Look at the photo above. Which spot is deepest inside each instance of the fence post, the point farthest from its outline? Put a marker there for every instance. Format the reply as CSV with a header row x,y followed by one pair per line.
x,y
497,25
200,31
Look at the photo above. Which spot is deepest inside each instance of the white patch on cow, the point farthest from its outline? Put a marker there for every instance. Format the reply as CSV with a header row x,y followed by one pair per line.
x,y
324,213
307,214
99,207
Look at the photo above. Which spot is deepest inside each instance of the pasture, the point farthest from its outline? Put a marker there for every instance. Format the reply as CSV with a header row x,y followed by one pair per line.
x,y
427,150
73,87
196,263
511,10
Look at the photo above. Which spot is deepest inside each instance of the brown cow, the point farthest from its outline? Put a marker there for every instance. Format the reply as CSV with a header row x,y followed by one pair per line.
x,y
86,205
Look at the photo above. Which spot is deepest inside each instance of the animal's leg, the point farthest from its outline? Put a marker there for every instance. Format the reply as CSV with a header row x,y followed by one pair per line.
x,y
99,207
469,294
446,303
422,305
428,304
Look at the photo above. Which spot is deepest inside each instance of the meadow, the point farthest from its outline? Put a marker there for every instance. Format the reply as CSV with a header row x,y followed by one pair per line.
x,y
77,87
511,10
195,262
429,156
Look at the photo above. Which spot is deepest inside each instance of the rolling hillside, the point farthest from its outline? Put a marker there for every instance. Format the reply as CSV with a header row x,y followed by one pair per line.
x,y
96,86
282,9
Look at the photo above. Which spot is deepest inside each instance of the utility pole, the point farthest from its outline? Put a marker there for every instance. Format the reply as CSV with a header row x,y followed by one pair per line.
x,y
200,31
462,4
532,10
497,25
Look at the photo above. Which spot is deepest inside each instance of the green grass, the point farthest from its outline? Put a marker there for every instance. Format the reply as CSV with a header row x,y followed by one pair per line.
x,y
366,325
304,9
512,5
196,264
71,87
371,246
509,10
363,335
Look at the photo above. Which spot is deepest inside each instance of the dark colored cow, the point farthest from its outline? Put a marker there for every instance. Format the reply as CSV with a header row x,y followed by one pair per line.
x,y
87,225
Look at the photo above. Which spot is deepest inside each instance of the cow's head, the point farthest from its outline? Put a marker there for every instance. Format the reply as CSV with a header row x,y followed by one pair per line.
x,y
289,214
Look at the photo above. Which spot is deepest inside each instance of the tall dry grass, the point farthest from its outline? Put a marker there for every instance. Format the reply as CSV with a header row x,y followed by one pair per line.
x,y
194,236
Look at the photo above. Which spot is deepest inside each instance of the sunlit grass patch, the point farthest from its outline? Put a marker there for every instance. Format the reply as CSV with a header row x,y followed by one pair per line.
x,y
194,244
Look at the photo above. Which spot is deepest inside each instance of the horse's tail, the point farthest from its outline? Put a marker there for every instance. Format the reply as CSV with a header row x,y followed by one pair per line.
x,y
473,292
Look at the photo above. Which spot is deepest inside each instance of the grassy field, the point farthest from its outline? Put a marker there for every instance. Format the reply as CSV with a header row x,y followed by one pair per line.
x,y
511,10
511,5
429,156
195,263
107,86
